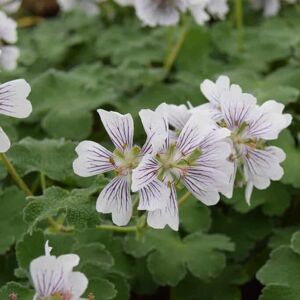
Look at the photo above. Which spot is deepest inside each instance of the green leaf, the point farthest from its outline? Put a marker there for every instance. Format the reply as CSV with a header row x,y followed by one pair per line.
x,y
14,288
194,216
52,158
77,206
102,289
282,236
274,200
30,247
202,254
241,230
12,202
94,254
225,287
291,174
65,106
281,271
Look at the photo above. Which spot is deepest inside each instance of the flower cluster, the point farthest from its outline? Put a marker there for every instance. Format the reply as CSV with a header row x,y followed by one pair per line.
x,y
166,13
8,36
208,149
53,277
159,12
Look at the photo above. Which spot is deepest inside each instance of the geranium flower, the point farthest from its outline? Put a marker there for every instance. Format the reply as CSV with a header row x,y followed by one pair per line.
x,y
160,12
10,6
8,35
13,103
167,12
54,277
197,159
251,126
125,2
90,7
94,159
202,9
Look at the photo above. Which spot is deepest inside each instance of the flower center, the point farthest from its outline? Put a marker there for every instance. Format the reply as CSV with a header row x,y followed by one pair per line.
x,y
173,164
59,296
127,160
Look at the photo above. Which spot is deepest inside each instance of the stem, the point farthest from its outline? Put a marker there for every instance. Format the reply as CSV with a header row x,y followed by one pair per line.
x,y
184,198
14,174
43,182
171,58
239,23
117,228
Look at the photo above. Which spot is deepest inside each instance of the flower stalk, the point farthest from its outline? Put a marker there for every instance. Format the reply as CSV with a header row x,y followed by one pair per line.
x,y
239,18
15,175
171,58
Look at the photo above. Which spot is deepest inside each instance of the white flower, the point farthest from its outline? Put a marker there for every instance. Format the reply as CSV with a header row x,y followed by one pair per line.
x,y
198,10
94,159
160,12
197,159
91,7
8,29
13,103
251,127
10,6
270,7
218,8
125,2
8,57
8,35
54,276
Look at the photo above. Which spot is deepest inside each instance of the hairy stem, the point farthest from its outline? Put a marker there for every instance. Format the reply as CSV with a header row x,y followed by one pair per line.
x,y
125,229
15,175
43,181
171,58
239,18
184,198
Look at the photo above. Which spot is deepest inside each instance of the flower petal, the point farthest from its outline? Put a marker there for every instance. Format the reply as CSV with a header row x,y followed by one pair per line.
x,y
262,165
4,141
13,100
152,13
8,29
237,107
47,275
248,192
197,128
178,115
268,121
145,173
156,128
115,198
153,196
203,183
119,127
92,159
8,57
158,219
68,261
213,91
78,284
